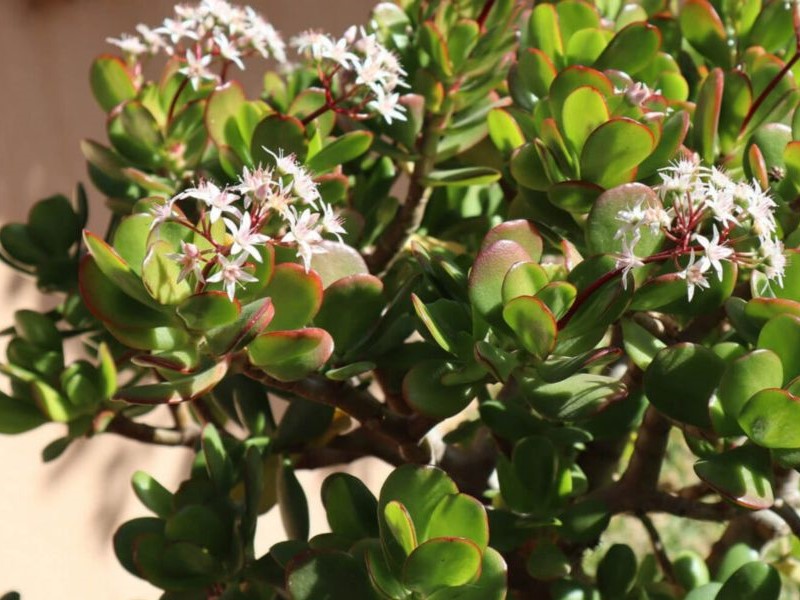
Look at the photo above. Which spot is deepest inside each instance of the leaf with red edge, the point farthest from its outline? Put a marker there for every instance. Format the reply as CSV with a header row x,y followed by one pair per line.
x,y
425,393
221,117
488,273
707,115
291,355
111,81
350,309
614,150
522,232
705,31
570,79
645,38
252,320
208,309
533,324
177,390
741,475
296,296
116,269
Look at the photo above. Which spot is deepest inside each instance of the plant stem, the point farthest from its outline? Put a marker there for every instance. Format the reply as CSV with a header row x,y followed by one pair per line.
x,y
174,102
658,548
410,214
487,8
161,436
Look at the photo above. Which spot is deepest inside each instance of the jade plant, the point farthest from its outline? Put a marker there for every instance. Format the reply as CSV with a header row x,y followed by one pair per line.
x,y
541,258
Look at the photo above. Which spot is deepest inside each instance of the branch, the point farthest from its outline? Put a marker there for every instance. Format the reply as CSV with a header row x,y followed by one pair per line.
x,y
122,425
658,548
787,512
410,214
644,467
362,443
359,404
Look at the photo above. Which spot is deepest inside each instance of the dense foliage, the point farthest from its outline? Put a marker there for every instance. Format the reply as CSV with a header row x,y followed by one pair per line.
x,y
526,254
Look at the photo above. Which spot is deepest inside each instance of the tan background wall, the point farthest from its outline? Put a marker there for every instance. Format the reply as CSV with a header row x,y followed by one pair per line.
x,y
56,520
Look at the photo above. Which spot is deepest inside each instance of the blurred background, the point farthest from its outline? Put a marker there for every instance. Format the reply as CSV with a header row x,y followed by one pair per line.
x,y
56,520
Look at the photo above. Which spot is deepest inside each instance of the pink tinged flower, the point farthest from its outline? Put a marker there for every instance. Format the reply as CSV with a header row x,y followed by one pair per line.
x,y
129,44
190,260
231,273
638,93
177,29
153,40
694,275
339,52
256,184
388,106
220,201
714,252
304,231
263,36
228,51
245,238
196,69
759,206
312,43
627,261
332,222
161,212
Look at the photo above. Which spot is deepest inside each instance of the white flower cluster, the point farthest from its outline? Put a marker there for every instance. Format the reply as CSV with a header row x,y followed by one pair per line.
x,y
247,211
200,33
369,71
699,199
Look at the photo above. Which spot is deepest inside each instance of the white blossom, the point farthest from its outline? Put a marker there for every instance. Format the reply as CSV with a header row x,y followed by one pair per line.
x,y
627,261
228,51
388,106
129,44
196,69
332,222
219,200
694,275
161,212
304,231
245,238
774,259
255,184
714,252
231,273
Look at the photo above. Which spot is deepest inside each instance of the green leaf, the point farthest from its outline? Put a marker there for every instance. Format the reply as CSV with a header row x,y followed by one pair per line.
x,y
536,466
680,380
218,463
328,576
533,324
570,79
291,355
753,580
177,390
614,150
707,114
640,344
769,418
351,508
459,515
276,134
292,502
114,267
252,320
160,275
441,563
584,111
487,275
336,262
558,296
18,416
573,399
351,307
781,334
127,536
464,176
644,37
425,393
741,475
603,223
401,527
296,296
616,573
341,150
702,27
207,310
523,279
222,109
521,231
302,422
53,224
152,494
504,131
380,574
491,585
544,32
111,82
198,525
536,71
748,374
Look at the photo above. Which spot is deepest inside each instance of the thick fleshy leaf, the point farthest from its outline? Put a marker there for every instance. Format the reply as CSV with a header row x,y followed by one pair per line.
x,y
114,267
464,176
640,344
781,334
18,416
222,109
350,309
527,168
488,273
296,296
741,475
544,32
680,381
276,134
770,418
351,508
218,461
53,224
574,196
160,275
400,526
572,399
614,150
341,150
584,111
702,27
533,324
756,579
604,223
504,131
338,261
522,232
329,576
572,78
616,573
380,574
292,502
706,114
617,55
152,494
523,279
177,390
441,563
751,373
111,82
536,71
491,585
424,391
252,320
291,355
673,134
459,515
207,310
